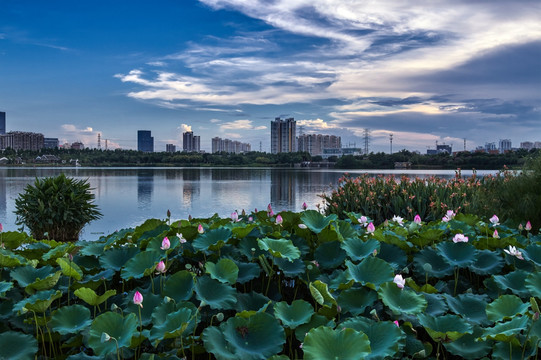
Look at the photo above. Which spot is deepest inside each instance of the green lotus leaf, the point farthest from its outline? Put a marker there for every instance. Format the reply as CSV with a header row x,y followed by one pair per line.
x,y
397,236
280,248
175,325
469,306
506,331
506,307
247,271
436,304
91,248
212,240
329,255
258,336
514,350
356,300
386,339
116,258
5,286
298,313
83,356
320,293
445,328
27,275
91,298
215,343
9,259
468,347
338,280
179,286
315,221
290,268
394,255
427,236
225,271
39,302
215,294
439,268
371,272
533,284
14,239
324,343
533,253
401,301
121,328
69,268
514,281
252,301
57,251
358,249
457,254
70,319
142,264
43,284
487,262
150,302
89,263
278,357
315,321
17,346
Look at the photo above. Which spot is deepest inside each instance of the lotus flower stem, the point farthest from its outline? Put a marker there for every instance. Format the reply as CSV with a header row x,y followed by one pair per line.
x,y
51,345
140,330
38,329
456,280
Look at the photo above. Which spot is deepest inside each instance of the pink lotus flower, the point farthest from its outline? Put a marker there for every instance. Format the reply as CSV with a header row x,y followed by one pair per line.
x,y
521,227
250,219
181,238
269,208
495,235
166,244
200,229
160,268
399,281
528,226
234,216
514,252
270,213
138,299
1,227
448,216
460,238
396,323
363,220
370,228
304,206
279,220
417,219
495,220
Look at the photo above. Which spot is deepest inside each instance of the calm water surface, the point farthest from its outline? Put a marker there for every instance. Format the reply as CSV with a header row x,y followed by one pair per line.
x,y
129,196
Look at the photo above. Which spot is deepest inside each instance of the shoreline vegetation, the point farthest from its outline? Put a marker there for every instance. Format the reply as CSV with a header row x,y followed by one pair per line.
x,y
119,158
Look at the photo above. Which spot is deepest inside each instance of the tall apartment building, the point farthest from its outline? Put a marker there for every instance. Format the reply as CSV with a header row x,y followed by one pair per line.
x,y
505,145
20,140
191,142
170,148
315,144
50,143
2,123
283,135
229,146
145,141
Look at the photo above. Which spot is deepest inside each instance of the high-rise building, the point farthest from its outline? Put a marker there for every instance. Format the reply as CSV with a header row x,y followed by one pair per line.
x,y
229,146
2,123
191,142
20,140
50,143
145,141
170,148
315,144
283,135
505,145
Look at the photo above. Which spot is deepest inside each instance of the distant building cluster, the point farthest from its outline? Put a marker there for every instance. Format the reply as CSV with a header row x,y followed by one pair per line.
x,y
20,140
440,149
170,148
283,135
145,141
229,146
505,145
191,142
316,143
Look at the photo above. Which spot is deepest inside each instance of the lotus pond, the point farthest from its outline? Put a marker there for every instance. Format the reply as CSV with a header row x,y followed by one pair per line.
x,y
265,286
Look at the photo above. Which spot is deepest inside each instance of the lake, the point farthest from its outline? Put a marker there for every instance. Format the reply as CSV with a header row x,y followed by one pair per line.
x,y
129,196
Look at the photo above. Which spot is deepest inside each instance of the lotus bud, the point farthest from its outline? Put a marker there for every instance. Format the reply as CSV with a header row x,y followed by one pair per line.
x,y
279,220
495,220
160,268
168,213
304,206
166,244
188,266
200,229
399,281
243,213
105,337
138,299
181,238
1,227
302,226
190,217
427,267
520,227
250,219
396,323
234,216
220,316
167,299
528,226
114,307
534,305
495,234
269,208
417,219
371,228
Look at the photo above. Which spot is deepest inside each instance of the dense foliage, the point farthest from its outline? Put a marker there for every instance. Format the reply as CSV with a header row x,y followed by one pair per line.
x,y
56,208
266,286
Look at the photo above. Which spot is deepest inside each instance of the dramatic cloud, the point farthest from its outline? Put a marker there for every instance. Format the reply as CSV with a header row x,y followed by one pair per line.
x,y
241,125
185,128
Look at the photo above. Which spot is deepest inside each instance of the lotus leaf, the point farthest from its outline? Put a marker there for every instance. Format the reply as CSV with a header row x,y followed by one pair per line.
x,y
91,298
394,255
315,221
150,302
458,254
17,346
225,271
121,328
386,339
401,301
439,268
39,302
469,306
338,280
87,262
533,284
280,248
533,253
91,248
142,264
506,307
9,259
371,272
514,351
358,249
57,251
43,284
5,286
356,300
290,268
436,304
69,268
329,255
487,262
83,356
514,281
70,319
298,313
258,336
13,239
320,293
175,325
427,236
215,294
396,237
315,321
248,271
324,343
115,259
179,286
252,301
468,347
27,275
506,331
445,328
215,343
212,239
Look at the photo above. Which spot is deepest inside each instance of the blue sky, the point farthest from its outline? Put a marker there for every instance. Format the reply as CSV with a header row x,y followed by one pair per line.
x,y
424,71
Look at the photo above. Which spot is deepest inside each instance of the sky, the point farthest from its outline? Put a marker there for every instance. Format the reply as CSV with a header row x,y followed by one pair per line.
x,y
427,72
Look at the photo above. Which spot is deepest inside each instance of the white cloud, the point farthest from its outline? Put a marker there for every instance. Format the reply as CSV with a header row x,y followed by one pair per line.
x,y
215,121
317,124
185,128
241,125
87,135
233,135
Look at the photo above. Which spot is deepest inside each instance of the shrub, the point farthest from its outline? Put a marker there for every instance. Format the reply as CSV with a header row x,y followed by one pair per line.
x,y
56,208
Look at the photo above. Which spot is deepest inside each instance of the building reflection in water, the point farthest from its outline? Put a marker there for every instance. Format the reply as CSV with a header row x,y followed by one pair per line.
x,y
282,189
145,186
3,192
191,187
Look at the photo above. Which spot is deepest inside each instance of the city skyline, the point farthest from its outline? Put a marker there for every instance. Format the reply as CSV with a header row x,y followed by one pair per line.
x,y
424,72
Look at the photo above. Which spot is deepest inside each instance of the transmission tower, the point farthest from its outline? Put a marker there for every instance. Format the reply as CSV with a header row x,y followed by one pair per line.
x,y
391,140
99,141
464,144
366,134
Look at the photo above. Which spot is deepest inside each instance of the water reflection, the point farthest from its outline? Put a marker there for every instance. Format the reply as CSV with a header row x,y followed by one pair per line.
x,y
145,186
